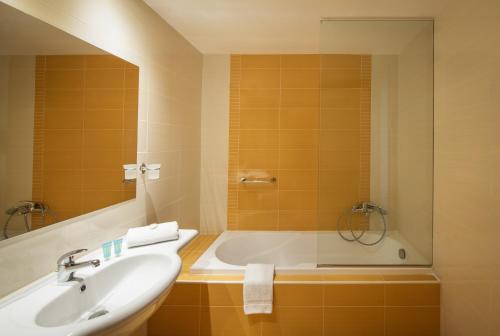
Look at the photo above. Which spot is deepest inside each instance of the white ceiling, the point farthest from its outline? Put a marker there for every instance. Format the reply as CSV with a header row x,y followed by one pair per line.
x,y
274,26
21,34
370,37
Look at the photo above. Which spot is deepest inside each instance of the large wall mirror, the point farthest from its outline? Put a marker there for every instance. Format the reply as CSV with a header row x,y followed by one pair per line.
x,y
68,124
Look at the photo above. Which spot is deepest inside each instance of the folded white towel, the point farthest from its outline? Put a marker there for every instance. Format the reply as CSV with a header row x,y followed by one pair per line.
x,y
258,289
154,233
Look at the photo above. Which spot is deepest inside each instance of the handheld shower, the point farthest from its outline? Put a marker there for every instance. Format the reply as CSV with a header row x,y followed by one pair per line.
x,y
25,208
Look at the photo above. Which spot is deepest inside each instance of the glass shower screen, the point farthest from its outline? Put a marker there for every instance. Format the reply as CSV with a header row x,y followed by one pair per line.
x,y
375,152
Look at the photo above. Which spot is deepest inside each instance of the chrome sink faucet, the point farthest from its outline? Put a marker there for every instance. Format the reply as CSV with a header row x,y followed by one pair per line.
x,y
66,266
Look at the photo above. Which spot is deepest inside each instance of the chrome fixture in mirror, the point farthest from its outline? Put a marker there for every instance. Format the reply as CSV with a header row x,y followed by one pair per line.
x,y
26,208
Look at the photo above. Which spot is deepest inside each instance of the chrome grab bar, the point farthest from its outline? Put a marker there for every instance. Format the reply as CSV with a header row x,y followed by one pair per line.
x,y
246,180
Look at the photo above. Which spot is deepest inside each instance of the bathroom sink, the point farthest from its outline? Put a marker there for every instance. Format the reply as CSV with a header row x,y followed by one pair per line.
x,y
121,289
113,287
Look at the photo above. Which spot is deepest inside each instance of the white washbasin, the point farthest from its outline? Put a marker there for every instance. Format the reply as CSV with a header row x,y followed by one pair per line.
x,y
114,291
106,290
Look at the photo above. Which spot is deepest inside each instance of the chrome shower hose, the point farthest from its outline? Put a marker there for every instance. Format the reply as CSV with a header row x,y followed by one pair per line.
x,y
355,237
6,225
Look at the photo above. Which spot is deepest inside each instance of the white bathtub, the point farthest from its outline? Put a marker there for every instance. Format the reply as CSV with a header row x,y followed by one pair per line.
x,y
301,252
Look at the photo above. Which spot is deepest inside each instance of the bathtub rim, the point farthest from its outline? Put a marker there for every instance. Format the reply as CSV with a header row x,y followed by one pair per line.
x,y
373,269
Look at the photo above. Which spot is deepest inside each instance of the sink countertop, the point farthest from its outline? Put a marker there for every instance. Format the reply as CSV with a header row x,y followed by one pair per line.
x,y
153,268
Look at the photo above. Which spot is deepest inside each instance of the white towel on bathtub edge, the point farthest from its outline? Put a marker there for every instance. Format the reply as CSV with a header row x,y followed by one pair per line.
x,y
154,233
258,289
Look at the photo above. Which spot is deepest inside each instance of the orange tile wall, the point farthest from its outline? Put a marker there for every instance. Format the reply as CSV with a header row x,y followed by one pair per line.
x,y
213,309
303,119
85,130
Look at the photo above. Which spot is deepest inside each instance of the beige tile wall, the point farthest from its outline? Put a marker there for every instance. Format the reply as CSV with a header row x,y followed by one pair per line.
x,y
467,167
17,98
214,152
168,130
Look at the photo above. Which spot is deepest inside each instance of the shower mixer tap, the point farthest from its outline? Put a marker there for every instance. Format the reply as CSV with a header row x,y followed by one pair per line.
x,y
26,208
363,208
366,208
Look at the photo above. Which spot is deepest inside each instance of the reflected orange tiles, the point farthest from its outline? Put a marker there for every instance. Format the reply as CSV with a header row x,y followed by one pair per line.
x,y
300,78
259,119
85,130
260,78
260,61
300,61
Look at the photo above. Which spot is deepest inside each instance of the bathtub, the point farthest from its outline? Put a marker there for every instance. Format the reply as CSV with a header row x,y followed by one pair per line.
x,y
307,252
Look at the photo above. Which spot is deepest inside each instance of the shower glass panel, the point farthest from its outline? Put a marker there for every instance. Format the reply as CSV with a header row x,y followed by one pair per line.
x,y
375,143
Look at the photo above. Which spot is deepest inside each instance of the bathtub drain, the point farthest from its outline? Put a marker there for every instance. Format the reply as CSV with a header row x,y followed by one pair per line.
x,y
402,253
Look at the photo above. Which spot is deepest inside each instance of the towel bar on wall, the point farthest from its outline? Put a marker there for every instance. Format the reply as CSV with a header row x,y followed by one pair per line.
x,y
246,180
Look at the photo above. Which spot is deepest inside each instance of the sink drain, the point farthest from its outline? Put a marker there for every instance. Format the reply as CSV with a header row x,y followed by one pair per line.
x,y
97,314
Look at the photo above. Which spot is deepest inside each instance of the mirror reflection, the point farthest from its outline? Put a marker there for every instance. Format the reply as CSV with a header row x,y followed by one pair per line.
x,y
68,124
